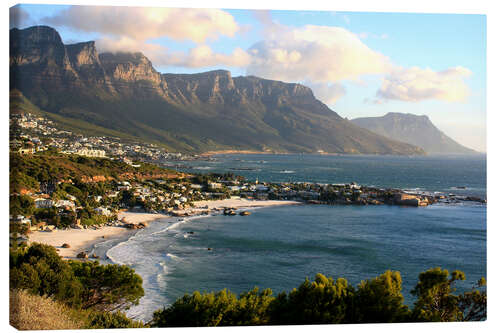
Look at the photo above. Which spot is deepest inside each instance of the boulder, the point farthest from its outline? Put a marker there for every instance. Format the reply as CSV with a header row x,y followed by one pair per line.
x,y
82,255
65,246
245,213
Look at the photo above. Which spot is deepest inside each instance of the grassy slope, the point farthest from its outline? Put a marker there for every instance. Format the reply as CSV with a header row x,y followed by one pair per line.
x,y
30,312
19,103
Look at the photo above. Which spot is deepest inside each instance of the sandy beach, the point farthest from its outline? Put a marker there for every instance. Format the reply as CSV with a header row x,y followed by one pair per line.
x,y
83,239
240,203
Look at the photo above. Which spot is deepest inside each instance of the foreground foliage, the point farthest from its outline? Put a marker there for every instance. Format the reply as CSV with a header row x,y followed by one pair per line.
x,y
330,301
39,270
90,295
34,312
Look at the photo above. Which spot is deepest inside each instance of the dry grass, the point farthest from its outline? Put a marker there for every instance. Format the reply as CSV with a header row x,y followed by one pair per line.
x,y
31,312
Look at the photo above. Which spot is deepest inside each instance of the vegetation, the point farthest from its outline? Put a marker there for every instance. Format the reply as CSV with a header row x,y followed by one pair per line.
x,y
90,295
34,312
87,285
49,168
21,205
107,287
329,301
99,320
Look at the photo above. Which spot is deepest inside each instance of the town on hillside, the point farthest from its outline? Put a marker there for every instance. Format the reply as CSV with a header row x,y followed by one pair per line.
x,y
61,179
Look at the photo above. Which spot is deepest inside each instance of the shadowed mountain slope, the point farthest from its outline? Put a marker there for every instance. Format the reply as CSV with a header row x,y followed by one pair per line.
x,y
122,92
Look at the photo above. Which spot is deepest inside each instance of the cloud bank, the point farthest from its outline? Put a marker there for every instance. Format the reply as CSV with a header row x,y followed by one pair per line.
x,y
322,57
415,84
317,54
142,23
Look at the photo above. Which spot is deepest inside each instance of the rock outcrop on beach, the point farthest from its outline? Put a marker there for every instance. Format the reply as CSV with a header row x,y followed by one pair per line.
x,y
200,112
415,130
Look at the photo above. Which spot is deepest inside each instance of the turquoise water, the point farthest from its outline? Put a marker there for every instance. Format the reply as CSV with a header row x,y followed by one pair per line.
x,y
279,247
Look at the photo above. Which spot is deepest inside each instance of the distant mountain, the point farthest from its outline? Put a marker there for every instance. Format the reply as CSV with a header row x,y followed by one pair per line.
x,y
123,93
415,130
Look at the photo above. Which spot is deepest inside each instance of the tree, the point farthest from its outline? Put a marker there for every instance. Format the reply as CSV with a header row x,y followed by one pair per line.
x,y
379,300
107,287
197,310
100,320
436,301
21,205
40,270
329,301
472,304
323,301
251,308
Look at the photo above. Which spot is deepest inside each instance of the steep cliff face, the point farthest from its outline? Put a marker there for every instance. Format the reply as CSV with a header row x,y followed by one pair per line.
x,y
133,75
413,129
190,112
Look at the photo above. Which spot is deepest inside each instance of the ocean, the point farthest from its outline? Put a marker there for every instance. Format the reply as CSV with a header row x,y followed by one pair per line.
x,y
278,247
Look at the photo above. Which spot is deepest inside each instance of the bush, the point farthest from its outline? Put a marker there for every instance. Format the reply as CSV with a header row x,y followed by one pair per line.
x,y
88,285
99,320
40,270
329,301
107,287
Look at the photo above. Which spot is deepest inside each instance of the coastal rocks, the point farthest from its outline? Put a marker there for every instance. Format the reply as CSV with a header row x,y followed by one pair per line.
x,y
245,213
65,246
94,256
134,226
82,255
475,199
229,211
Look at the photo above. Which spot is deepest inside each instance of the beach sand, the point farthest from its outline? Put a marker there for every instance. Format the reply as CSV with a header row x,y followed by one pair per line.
x,y
241,203
83,239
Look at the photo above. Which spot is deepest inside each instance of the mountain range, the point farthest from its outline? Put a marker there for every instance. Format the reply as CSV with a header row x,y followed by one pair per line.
x,y
415,130
123,94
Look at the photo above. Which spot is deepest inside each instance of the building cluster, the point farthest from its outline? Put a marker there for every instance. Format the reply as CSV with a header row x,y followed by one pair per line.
x,y
32,133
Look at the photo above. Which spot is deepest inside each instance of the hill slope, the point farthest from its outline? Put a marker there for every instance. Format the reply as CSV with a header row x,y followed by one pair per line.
x,y
122,92
415,130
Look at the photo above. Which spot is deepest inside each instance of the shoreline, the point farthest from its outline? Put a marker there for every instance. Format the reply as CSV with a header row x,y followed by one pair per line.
x,y
85,240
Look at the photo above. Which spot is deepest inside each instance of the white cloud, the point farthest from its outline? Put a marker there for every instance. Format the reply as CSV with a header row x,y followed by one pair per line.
x,y
327,93
323,57
204,56
415,84
315,54
142,23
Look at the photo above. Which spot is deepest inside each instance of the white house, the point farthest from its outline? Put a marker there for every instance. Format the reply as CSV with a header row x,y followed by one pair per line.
x,y
64,203
214,185
43,203
102,211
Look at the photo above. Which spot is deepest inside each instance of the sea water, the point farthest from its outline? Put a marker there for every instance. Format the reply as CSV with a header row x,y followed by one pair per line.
x,y
278,247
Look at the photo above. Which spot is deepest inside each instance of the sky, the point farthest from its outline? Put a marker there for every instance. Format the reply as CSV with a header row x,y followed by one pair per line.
x,y
361,64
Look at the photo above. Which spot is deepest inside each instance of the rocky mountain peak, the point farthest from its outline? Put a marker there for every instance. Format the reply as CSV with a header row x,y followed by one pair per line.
x,y
413,129
129,67
82,53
